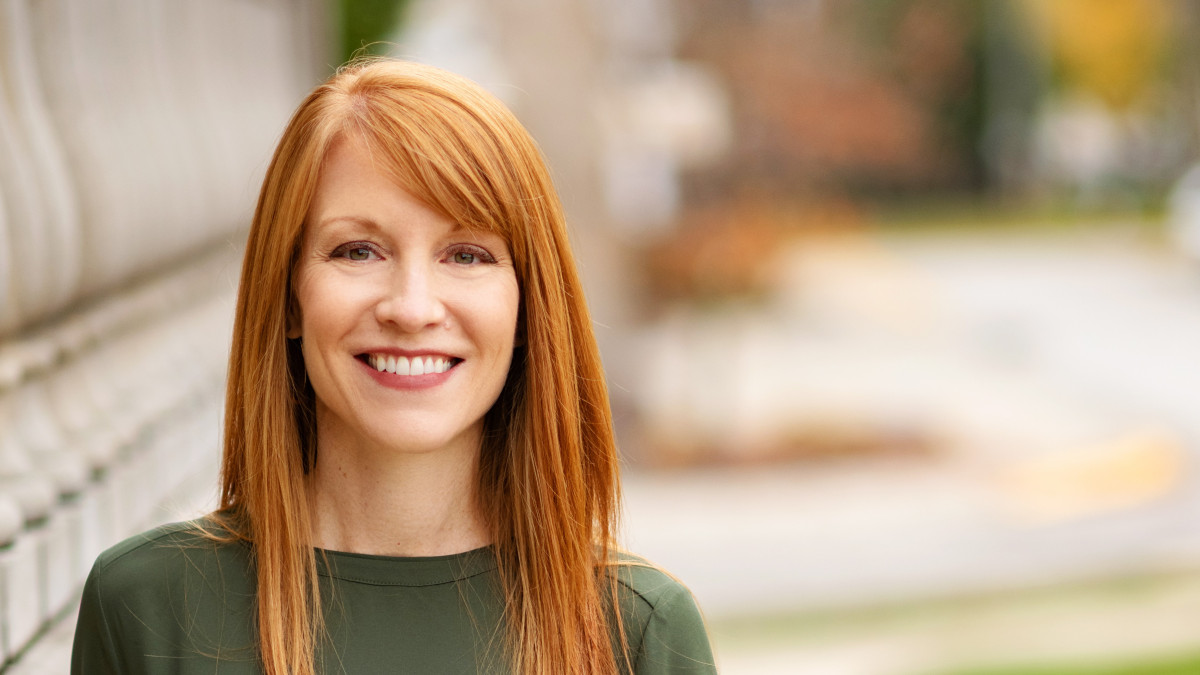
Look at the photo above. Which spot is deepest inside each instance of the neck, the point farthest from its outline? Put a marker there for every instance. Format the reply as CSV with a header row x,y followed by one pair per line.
x,y
398,504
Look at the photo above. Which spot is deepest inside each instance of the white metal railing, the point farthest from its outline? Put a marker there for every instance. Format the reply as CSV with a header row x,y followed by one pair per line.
x,y
133,134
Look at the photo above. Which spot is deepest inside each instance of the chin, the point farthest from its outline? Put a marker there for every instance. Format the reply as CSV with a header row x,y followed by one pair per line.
x,y
425,442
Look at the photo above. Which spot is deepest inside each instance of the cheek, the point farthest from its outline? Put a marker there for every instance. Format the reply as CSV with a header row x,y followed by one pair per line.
x,y
506,318
493,330
327,304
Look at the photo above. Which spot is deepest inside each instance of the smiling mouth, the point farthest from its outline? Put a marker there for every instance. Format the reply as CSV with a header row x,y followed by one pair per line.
x,y
404,365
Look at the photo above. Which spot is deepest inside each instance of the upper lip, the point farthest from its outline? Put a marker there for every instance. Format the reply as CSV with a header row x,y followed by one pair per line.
x,y
393,351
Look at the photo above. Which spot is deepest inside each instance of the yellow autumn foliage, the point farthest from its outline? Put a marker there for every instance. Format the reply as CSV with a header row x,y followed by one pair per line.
x,y
1112,49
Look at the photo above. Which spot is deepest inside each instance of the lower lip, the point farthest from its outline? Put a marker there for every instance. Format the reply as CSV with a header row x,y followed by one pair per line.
x,y
408,382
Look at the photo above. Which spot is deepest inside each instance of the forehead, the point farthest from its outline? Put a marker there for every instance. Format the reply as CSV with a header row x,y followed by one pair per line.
x,y
353,185
355,195
358,169
348,173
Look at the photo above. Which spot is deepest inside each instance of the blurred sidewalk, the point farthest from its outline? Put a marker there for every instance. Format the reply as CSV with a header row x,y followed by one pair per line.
x,y
891,570
1060,372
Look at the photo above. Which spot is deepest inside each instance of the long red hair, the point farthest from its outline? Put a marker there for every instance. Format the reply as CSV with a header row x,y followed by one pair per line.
x,y
548,468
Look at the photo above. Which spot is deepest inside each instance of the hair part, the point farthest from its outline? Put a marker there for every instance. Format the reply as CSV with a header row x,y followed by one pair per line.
x,y
548,473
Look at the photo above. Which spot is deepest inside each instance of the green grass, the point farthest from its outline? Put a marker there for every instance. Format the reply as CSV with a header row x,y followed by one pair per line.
x,y
931,617
1182,665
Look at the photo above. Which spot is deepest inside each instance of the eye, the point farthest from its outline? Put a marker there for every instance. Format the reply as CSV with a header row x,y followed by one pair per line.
x,y
356,251
468,255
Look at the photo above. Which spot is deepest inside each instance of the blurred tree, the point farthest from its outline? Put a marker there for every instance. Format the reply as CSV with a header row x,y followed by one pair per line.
x,y
1114,50
934,50
861,98
927,99
365,23
1112,128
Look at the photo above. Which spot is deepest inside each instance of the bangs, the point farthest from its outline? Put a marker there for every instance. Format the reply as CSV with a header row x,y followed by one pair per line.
x,y
455,158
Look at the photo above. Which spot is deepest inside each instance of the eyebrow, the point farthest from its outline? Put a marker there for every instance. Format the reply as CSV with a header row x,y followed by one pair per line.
x,y
373,225
357,220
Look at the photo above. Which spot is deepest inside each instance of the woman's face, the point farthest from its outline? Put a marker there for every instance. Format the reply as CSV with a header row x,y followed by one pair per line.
x,y
407,319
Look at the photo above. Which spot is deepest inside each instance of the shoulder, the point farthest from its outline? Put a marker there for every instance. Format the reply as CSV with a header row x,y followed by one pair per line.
x,y
651,586
192,563
664,628
180,591
163,552
189,534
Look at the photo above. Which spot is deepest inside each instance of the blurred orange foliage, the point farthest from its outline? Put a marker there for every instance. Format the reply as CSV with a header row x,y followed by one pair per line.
x,y
725,251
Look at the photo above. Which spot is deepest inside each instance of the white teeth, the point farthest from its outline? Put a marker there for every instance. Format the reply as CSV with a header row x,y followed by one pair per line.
x,y
402,365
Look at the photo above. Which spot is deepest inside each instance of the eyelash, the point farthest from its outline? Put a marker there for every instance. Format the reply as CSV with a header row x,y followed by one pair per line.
x,y
344,250
481,254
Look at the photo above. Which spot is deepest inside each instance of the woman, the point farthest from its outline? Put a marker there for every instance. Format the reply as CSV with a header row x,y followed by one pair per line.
x,y
419,469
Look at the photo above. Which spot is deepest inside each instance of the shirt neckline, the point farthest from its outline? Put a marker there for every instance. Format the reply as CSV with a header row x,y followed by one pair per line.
x,y
384,570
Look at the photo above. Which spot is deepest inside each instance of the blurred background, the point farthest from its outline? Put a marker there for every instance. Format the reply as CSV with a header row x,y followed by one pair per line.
x,y
899,299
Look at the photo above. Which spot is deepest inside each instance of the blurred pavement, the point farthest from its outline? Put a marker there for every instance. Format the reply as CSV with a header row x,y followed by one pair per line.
x,y
1058,371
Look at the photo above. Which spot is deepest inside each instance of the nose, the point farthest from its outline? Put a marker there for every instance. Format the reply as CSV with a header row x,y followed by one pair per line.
x,y
412,301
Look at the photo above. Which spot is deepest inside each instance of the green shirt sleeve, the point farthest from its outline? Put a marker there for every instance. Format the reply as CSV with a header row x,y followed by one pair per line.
x,y
675,641
93,651
664,629
169,602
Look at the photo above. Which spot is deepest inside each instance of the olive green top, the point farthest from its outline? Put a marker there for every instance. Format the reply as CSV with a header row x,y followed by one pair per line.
x,y
175,601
